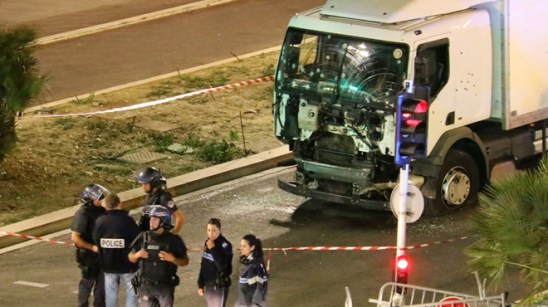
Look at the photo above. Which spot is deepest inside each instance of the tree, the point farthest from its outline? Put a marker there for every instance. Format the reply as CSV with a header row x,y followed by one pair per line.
x,y
512,229
19,81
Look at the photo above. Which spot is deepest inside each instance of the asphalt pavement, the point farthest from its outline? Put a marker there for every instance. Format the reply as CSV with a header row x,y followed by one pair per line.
x,y
48,276
60,16
91,63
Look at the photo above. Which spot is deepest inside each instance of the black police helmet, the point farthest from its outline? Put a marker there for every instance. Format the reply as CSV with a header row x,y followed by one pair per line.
x,y
151,176
93,192
163,214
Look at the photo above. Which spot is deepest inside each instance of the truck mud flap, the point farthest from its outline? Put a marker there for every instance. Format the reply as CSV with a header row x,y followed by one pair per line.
x,y
292,188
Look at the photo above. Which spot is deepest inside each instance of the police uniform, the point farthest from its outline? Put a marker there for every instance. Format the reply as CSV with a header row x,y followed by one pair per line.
x,y
158,278
252,283
82,223
113,234
215,270
158,197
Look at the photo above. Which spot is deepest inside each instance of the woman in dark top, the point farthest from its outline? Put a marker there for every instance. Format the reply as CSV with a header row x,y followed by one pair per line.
x,y
253,281
216,266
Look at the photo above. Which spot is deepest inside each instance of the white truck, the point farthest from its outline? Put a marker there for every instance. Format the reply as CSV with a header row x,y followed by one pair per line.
x,y
342,67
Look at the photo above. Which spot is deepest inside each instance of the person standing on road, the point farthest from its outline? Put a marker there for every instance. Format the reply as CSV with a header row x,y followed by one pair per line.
x,y
86,252
158,253
154,185
113,234
216,267
253,281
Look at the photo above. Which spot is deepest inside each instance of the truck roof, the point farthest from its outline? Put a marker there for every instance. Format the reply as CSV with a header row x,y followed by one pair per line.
x,y
393,11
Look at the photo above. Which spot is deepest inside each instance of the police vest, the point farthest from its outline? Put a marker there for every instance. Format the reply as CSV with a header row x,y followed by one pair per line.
x,y
152,268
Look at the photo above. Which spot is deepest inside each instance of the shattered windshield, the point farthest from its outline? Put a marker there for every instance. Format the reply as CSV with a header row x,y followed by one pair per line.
x,y
342,69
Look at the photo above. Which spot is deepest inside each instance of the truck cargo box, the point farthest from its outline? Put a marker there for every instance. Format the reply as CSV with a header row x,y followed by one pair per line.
x,y
525,62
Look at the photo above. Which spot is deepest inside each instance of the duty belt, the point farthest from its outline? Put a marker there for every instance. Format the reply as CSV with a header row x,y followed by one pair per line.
x,y
154,283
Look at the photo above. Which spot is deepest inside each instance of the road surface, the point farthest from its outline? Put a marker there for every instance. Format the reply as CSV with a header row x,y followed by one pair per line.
x,y
299,278
91,63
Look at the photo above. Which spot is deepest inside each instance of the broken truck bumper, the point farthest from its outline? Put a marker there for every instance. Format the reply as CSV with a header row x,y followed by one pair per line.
x,y
292,188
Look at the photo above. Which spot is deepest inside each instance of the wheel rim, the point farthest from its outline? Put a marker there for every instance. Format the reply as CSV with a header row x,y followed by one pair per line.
x,y
456,187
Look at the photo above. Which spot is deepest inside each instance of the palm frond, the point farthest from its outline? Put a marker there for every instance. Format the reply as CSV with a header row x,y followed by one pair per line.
x,y
512,228
20,80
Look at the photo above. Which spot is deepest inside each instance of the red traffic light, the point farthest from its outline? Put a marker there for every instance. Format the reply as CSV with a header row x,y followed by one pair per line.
x,y
402,263
420,108
411,129
400,271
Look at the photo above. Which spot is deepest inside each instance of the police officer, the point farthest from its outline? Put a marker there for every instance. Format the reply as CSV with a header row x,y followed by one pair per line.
x,y
86,252
154,185
216,267
113,233
158,253
253,280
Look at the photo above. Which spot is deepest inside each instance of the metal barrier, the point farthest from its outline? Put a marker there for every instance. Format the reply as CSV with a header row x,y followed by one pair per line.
x,y
390,295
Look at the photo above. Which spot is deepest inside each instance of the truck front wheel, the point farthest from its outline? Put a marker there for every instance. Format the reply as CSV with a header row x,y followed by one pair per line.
x,y
457,184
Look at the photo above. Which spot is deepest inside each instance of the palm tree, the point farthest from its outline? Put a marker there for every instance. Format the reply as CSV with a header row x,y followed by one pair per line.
x,y
512,228
19,81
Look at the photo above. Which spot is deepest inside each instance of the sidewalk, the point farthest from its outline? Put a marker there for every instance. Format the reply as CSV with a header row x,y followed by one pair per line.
x,y
58,220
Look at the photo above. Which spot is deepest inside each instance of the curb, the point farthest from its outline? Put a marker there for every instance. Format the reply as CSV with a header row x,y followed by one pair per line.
x,y
130,21
61,219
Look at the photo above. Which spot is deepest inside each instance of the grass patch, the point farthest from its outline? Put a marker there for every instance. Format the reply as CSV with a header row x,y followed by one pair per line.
x,y
162,90
83,101
161,141
192,140
216,152
269,70
96,125
263,95
219,152
65,123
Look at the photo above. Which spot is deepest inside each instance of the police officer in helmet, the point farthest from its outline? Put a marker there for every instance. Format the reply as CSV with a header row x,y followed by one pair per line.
x,y
158,252
154,185
86,252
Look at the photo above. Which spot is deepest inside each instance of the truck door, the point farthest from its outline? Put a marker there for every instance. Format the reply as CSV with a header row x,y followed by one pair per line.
x,y
432,65
432,69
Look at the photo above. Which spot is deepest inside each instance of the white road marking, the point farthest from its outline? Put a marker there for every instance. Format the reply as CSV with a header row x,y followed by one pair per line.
x,y
31,284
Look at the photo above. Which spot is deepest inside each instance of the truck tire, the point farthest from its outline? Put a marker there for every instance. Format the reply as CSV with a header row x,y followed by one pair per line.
x,y
457,185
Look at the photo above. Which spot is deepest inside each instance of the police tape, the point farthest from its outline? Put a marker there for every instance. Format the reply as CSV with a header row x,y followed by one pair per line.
x,y
283,249
160,101
362,248
8,233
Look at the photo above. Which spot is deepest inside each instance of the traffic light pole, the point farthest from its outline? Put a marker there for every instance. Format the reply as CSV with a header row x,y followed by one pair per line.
x,y
402,210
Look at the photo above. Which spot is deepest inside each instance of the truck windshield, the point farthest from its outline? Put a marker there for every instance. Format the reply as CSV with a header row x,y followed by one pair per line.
x,y
342,69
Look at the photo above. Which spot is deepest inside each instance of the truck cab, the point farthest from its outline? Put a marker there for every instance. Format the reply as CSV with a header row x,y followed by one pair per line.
x,y
340,72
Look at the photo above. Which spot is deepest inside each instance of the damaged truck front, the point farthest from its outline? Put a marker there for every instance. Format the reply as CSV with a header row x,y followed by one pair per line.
x,y
340,72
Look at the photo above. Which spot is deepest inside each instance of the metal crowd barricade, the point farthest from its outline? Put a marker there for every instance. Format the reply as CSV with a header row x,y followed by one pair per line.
x,y
416,296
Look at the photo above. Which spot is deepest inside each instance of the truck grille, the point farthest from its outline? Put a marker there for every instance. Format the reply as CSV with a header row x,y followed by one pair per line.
x,y
335,149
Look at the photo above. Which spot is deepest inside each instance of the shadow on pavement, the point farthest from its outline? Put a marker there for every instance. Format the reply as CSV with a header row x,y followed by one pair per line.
x,y
313,212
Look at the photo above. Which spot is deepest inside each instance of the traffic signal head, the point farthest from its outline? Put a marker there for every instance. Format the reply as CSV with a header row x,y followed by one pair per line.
x,y
411,127
402,269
